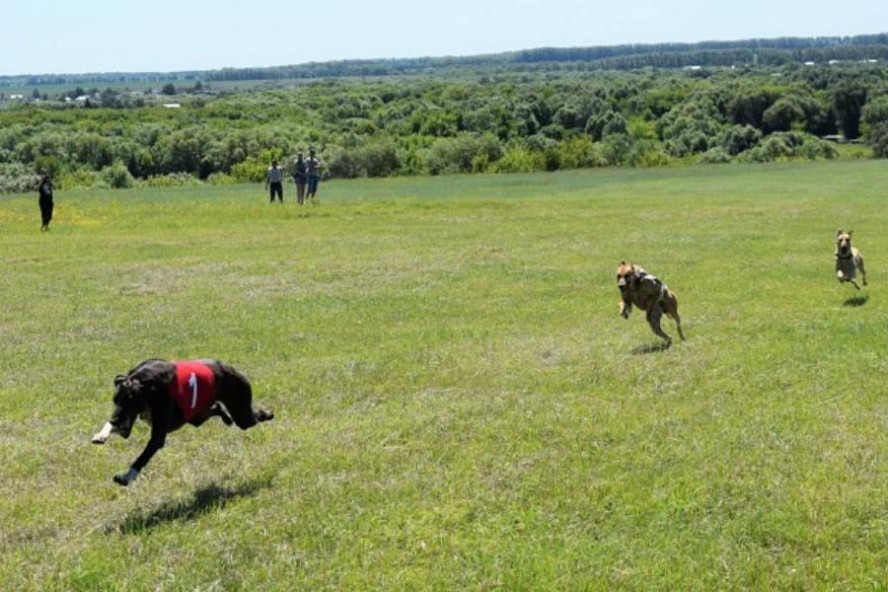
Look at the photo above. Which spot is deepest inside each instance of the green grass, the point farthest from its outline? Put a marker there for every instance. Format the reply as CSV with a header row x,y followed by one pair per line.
x,y
459,404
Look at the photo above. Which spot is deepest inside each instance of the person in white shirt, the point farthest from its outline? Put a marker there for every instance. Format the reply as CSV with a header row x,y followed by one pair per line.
x,y
274,179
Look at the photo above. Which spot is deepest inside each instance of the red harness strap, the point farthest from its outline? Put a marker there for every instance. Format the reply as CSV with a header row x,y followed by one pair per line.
x,y
193,388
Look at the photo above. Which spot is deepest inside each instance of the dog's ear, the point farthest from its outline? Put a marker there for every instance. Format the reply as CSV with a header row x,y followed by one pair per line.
x,y
839,232
622,263
127,385
850,232
128,392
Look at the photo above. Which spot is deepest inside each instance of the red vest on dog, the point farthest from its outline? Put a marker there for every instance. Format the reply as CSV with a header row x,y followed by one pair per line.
x,y
193,388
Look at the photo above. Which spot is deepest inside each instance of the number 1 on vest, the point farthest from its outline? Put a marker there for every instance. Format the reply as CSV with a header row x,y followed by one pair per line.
x,y
192,382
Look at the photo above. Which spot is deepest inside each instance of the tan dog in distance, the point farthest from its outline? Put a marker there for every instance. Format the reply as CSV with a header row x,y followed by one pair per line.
x,y
848,259
639,288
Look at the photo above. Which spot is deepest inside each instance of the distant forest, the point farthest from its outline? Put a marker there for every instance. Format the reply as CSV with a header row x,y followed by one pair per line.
x,y
537,110
758,52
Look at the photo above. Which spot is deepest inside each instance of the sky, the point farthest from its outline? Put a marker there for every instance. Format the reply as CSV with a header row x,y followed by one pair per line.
x,y
86,36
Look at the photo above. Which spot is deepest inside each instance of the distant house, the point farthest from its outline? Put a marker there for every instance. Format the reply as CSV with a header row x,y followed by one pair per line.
x,y
172,105
809,63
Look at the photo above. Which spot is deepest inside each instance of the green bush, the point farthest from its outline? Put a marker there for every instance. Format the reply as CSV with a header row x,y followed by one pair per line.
x,y
380,158
17,178
616,149
604,124
173,180
878,136
787,146
249,171
48,165
463,154
219,179
81,178
117,176
581,152
646,153
815,148
519,160
738,138
345,164
716,155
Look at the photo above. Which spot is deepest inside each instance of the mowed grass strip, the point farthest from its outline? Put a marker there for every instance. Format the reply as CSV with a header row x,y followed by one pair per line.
x,y
459,404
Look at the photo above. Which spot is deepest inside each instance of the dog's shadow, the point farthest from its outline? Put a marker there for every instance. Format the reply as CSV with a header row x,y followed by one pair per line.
x,y
857,301
654,348
206,499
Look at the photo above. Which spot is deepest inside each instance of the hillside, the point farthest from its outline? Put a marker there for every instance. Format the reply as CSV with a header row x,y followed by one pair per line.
x,y
771,52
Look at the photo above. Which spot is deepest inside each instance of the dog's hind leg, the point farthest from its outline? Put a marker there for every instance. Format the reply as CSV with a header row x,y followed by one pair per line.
x,y
237,396
215,410
222,412
654,316
677,318
862,270
670,307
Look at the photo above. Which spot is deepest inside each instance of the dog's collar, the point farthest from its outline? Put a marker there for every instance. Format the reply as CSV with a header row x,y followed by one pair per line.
x,y
849,256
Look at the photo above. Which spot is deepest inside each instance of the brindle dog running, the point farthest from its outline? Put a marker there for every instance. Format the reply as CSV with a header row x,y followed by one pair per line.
x,y
641,289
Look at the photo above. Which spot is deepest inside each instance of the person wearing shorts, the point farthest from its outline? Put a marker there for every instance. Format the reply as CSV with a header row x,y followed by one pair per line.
x,y
314,173
300,177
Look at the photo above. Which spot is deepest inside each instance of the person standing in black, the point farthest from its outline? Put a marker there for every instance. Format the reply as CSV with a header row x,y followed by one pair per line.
x,y
45,190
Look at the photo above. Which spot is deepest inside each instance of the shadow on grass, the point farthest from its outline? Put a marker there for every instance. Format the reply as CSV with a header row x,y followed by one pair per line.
x,y
205,500
654,348
857,301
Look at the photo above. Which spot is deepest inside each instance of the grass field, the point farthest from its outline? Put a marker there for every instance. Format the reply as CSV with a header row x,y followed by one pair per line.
x,y
459,404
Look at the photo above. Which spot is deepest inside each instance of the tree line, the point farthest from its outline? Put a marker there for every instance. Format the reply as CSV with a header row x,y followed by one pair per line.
x,y
495,122
761,52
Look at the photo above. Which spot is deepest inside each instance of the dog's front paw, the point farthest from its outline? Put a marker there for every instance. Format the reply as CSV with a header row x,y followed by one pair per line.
x,y
125,479
102,435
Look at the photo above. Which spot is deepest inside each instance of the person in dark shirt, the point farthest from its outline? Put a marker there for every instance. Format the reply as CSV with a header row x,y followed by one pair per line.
x,y
45,190
314,173
300,176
